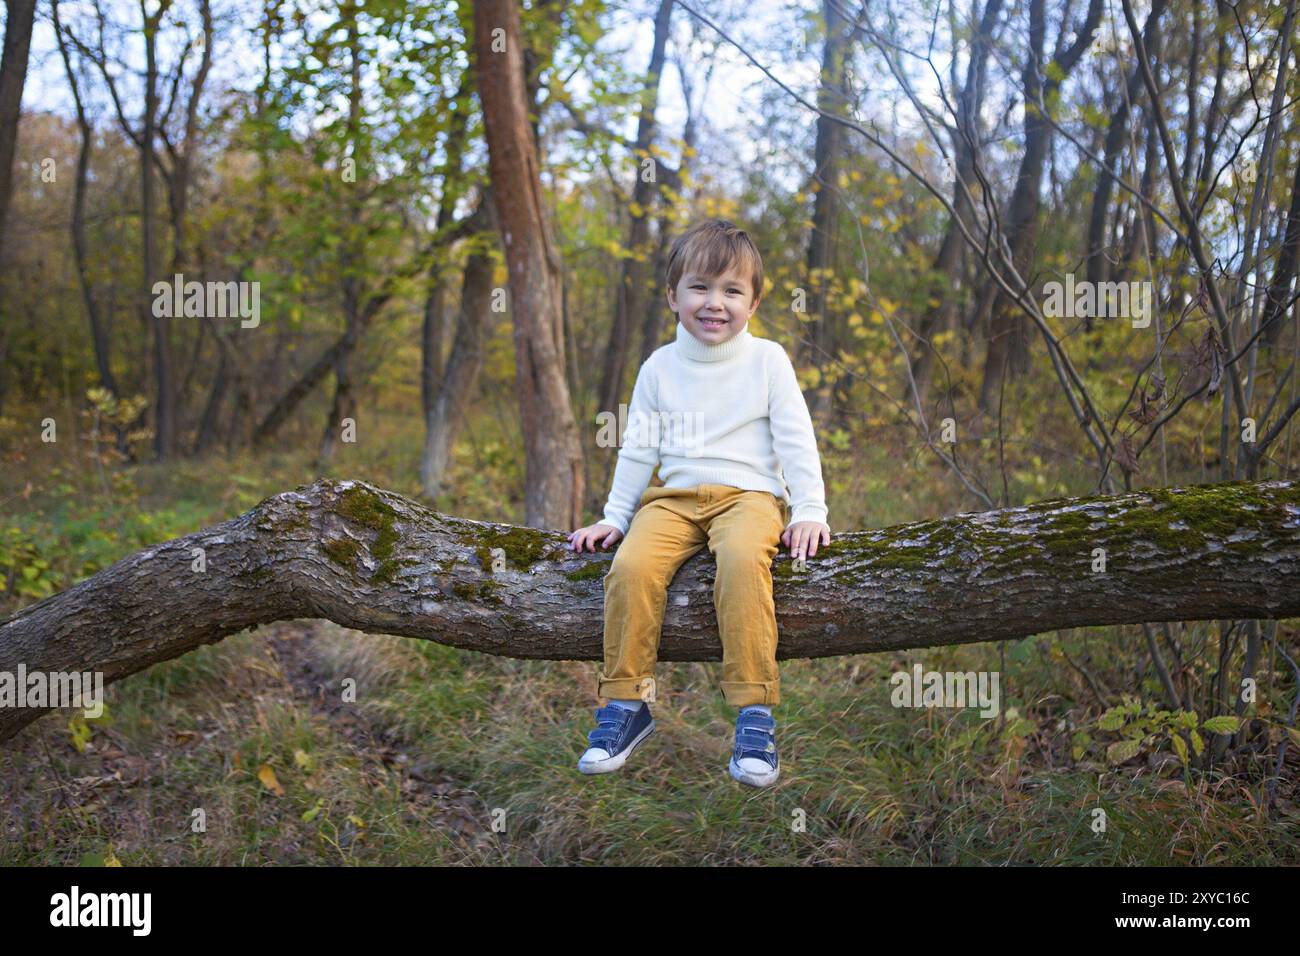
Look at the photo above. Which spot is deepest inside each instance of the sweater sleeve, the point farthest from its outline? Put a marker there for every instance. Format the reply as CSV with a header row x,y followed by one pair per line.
x,y
794,443
637,458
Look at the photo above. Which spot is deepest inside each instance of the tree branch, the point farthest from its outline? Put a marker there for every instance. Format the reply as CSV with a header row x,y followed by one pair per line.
x,y
375,561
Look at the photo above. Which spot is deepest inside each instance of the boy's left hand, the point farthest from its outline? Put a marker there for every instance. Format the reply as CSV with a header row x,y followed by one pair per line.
x,y
802,537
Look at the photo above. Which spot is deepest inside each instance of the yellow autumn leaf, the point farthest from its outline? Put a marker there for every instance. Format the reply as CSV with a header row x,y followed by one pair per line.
x,y
267,776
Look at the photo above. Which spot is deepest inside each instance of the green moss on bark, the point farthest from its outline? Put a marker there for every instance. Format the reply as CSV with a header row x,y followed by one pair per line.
x,y
369,510
1176,521
485,593
523,547
596,569
341,551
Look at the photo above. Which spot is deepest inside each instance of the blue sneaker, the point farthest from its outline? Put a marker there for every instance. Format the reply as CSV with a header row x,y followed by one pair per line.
x,y
754,761
618,732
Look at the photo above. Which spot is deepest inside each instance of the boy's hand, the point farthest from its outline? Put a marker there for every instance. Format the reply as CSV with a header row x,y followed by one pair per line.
x,y
803,536
593,533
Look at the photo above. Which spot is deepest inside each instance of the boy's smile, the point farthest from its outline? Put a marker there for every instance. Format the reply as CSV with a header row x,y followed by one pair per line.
x,y
713,310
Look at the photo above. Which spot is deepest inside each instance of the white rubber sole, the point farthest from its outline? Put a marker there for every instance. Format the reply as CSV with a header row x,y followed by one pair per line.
x,y
610,764
753,779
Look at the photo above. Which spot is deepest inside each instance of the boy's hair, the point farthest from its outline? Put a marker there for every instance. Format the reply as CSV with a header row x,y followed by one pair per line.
x,y
711,247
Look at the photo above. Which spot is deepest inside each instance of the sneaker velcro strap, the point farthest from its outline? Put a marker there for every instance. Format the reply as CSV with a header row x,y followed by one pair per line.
x,y
755,736
756,719
610,721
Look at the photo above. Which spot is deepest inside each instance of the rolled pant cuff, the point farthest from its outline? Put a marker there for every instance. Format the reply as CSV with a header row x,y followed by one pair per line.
x,y
625,688
744,693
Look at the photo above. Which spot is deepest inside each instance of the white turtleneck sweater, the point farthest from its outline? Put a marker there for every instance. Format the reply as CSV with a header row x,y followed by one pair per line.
x,y
729,414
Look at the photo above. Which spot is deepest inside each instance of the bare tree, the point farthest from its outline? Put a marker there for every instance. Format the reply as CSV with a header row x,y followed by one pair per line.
x,y
98,331
1008,334
966,136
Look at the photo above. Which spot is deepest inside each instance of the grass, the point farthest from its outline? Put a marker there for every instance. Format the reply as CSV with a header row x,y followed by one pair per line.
x,y
443,745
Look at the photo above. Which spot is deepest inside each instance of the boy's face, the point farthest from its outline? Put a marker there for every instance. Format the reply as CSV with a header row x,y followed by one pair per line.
x,y
713,310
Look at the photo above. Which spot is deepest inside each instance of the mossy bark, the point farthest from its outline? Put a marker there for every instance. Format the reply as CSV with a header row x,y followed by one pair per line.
x,y
375,561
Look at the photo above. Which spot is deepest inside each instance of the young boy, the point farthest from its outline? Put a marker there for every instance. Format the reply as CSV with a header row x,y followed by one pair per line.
x,y
720,412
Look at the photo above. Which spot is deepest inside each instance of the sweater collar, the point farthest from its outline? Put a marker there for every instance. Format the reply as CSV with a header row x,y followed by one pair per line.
x,y
692,348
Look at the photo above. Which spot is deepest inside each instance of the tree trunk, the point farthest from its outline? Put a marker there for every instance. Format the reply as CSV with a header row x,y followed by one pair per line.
x,y
475,325
344,403
653,321
285,405
206,435
553,455
433,459
1116,135
372,560
1008,336
98,332
1279,287
351,253
13,76
947,266
632,291
159,326
818,345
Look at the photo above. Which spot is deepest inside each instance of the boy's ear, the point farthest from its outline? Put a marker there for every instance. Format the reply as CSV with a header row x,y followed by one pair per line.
x,y
671,304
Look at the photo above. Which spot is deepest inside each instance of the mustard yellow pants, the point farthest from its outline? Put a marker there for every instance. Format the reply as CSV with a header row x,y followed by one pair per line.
x,y
743,530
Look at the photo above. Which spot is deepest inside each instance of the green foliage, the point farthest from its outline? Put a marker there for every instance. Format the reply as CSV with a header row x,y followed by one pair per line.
x,y
1143,726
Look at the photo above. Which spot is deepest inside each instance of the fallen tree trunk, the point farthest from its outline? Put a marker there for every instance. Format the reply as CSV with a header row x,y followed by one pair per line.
x,y
375,561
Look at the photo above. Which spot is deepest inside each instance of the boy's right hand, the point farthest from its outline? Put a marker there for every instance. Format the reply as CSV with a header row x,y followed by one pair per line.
x,y
593,533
